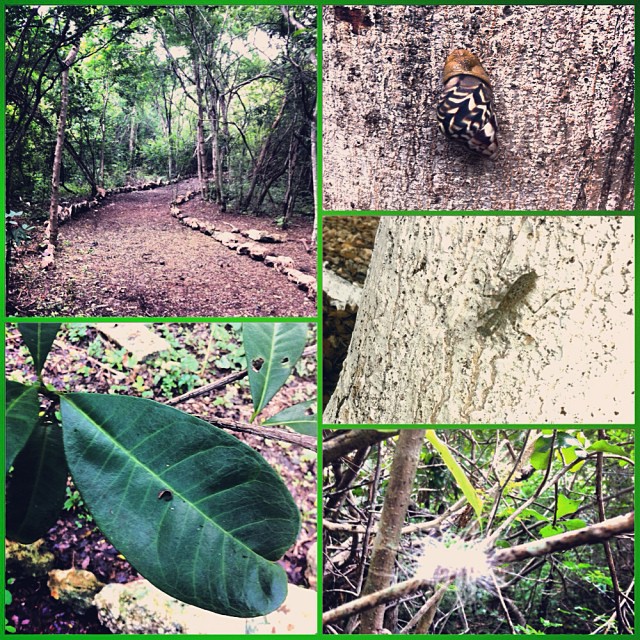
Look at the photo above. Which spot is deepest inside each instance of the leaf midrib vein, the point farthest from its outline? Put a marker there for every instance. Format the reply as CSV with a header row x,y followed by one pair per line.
x,y
161,480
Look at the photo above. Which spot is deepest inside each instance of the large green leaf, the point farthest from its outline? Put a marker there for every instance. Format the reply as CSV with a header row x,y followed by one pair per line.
x,y
197,512
39,336
36,488
22,407
272,349
297,418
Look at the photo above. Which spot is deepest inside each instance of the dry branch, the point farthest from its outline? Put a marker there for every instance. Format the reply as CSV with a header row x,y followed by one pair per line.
x,y
223,382
599,532
308,442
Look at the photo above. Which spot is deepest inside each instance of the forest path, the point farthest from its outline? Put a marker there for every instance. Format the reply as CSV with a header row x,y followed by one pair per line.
x,y
130,257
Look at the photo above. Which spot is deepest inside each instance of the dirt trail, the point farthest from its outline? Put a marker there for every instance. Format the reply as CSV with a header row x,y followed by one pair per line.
x,y
129,257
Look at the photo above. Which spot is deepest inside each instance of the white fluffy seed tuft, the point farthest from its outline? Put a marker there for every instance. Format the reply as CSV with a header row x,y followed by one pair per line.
x,y
463,560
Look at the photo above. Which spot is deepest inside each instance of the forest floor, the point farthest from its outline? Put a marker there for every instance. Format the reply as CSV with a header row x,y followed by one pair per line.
x,y
130,257
76,541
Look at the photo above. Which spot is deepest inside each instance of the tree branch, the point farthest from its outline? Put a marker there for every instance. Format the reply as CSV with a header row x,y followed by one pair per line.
x,y
594,533
223,382
308,442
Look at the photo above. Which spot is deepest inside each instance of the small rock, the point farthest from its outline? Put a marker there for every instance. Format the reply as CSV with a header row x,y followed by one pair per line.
x,y
28,559
262,236
135,337
279,263
75,587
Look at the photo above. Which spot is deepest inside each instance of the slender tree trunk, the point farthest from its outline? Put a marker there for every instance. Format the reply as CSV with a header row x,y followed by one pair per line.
x,y
394,510
103,132
314,175
417,356
223,125
57,157
289,196
215,153
202,166
132,143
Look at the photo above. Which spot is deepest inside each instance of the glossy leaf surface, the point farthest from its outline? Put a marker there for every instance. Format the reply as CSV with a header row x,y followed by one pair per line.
x,y
197,512
39,336
21,410
272,349
36,488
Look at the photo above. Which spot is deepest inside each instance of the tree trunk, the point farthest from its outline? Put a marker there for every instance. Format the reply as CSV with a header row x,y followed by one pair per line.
x,y
289,196
132,144
202,164
223,148
563,81
52,239
103,131
314,174
394,510
416,355
213,120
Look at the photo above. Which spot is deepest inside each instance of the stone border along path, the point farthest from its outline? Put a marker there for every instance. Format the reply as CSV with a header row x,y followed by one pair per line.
x,y
234,240
68,211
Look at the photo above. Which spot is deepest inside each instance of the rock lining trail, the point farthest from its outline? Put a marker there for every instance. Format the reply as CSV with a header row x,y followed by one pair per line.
x,y
130,257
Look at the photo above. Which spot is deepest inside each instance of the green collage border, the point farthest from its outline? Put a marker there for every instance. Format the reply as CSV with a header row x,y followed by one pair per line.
x,y
317,319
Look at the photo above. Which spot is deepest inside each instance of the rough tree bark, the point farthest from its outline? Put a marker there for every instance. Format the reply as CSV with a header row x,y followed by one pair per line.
x,y
563,80
394,510
416,355
52,239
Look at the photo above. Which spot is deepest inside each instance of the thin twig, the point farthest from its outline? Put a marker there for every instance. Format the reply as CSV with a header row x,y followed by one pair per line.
x,y
308,442
431,603
223,382
63,345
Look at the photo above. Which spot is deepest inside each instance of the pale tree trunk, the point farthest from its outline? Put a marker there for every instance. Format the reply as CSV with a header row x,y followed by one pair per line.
x,y
132,143
223,148
563,80
103,131
314,174
394,510
202,165
213,121
52,239
416,355
290,196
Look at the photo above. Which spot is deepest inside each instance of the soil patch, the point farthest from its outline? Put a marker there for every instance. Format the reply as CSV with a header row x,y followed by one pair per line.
x,y
130,257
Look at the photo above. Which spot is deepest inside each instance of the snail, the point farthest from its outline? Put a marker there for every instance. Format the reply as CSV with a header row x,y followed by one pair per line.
x,y
465,107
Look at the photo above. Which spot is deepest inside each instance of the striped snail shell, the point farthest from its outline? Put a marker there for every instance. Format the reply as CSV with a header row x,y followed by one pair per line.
x,y
465,108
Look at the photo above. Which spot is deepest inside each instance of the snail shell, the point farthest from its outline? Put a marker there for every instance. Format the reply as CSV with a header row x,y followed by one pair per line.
x,y
465,107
